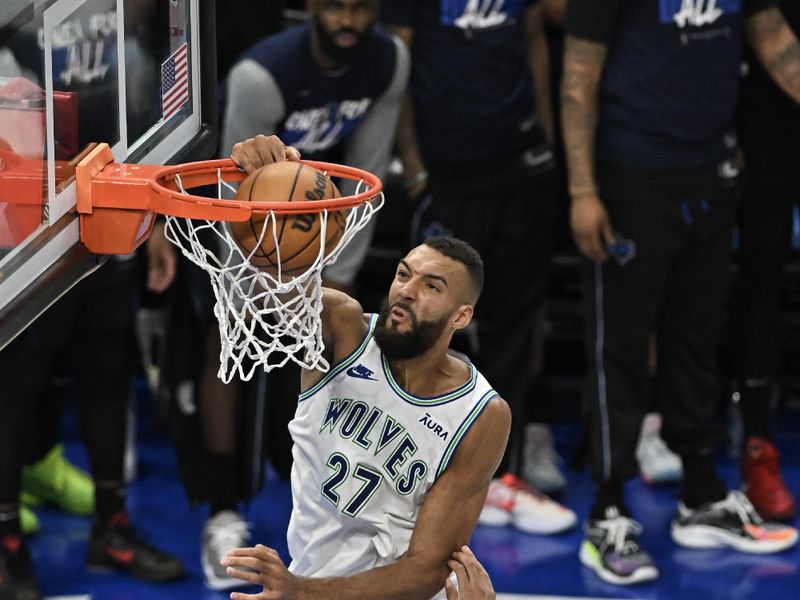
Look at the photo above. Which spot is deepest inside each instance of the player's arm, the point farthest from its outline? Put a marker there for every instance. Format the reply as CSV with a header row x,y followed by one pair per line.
x,y
446,520
555,10
776,47
343,327
370,146
539,60
590,24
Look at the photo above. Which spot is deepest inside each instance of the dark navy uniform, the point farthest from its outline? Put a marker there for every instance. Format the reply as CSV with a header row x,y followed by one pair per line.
x,y
491,170
664,142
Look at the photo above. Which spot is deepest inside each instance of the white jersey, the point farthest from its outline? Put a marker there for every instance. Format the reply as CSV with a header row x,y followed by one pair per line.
x,y
366,452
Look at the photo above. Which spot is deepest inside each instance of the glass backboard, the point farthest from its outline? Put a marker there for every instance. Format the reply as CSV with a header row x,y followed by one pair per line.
x,y
139,75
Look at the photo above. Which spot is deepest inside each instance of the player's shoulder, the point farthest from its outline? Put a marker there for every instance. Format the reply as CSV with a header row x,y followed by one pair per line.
x,y
494,422
380,38
384,50
482,448
343,312
498,411
344,324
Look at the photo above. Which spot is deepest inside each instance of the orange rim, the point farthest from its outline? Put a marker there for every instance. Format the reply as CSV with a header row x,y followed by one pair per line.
x,y
117,202
165,183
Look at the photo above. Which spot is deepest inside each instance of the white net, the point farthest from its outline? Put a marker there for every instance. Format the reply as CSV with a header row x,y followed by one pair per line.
x,y
266,317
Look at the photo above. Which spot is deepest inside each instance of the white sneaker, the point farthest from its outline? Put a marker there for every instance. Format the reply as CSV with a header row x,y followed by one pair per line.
x,y
540,460
511,501
222,532
657,463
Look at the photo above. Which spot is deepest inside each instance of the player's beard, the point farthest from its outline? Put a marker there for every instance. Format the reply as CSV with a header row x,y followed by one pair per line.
x,y
402,346
339,54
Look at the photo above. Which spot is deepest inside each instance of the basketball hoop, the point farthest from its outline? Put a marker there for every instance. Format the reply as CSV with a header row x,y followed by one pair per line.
x,y
266,317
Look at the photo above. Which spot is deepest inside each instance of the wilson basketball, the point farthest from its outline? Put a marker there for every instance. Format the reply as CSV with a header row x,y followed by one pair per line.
x,y
297,237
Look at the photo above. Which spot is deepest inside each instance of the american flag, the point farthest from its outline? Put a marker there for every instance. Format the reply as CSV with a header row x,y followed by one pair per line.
x,y
174,82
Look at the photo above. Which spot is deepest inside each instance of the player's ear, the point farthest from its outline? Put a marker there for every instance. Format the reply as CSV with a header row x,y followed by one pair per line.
x,y
462,316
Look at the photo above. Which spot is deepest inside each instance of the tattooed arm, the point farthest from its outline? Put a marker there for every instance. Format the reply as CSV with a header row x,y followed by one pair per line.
x,y
583,67
777,48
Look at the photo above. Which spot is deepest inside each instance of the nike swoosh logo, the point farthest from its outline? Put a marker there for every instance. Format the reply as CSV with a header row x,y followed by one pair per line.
x,y
353,372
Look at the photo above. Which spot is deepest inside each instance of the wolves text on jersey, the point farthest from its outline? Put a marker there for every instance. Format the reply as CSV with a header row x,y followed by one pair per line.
x,y
369,428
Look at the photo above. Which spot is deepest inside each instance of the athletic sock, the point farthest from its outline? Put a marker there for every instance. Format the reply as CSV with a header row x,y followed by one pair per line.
x,y
755,401
221,482
109,499
608,494
701,484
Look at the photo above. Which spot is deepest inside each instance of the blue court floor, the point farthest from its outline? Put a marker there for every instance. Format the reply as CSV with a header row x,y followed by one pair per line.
x,y
519,564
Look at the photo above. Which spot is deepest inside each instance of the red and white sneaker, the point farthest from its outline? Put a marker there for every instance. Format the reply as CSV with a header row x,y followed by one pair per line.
x,y
762,481
511,501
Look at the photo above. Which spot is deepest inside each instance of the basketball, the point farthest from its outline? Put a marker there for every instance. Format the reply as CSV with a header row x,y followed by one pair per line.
x,y
296,242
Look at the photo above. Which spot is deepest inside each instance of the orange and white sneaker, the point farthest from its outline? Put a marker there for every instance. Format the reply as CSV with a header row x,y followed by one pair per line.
x,y
731,522
511,501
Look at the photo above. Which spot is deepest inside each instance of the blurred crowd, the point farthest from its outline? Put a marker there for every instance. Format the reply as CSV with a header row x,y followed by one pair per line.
x,y
650,144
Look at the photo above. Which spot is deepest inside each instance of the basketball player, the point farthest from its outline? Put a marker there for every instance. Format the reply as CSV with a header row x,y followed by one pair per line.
x,y
394,447
331,88
648,103
460,166
769,132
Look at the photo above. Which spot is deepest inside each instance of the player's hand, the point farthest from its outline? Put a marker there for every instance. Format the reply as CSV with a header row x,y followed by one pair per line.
x,y
161,260
254,153
265,568
591,227
473,580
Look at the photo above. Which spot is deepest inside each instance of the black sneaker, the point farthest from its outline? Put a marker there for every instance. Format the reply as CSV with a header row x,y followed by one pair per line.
x,y
17,581
115,547
611,550
731,522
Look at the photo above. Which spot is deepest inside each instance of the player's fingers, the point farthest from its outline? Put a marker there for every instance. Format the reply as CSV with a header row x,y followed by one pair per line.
x,y
246,156
248,576
246,562
608,232
460,571
293,154
589,245
470,563
257,550
267,148
450,590
269,555
265,595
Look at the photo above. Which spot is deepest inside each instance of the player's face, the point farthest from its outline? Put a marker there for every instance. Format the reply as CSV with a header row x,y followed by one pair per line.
x,y
425,299
342,26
